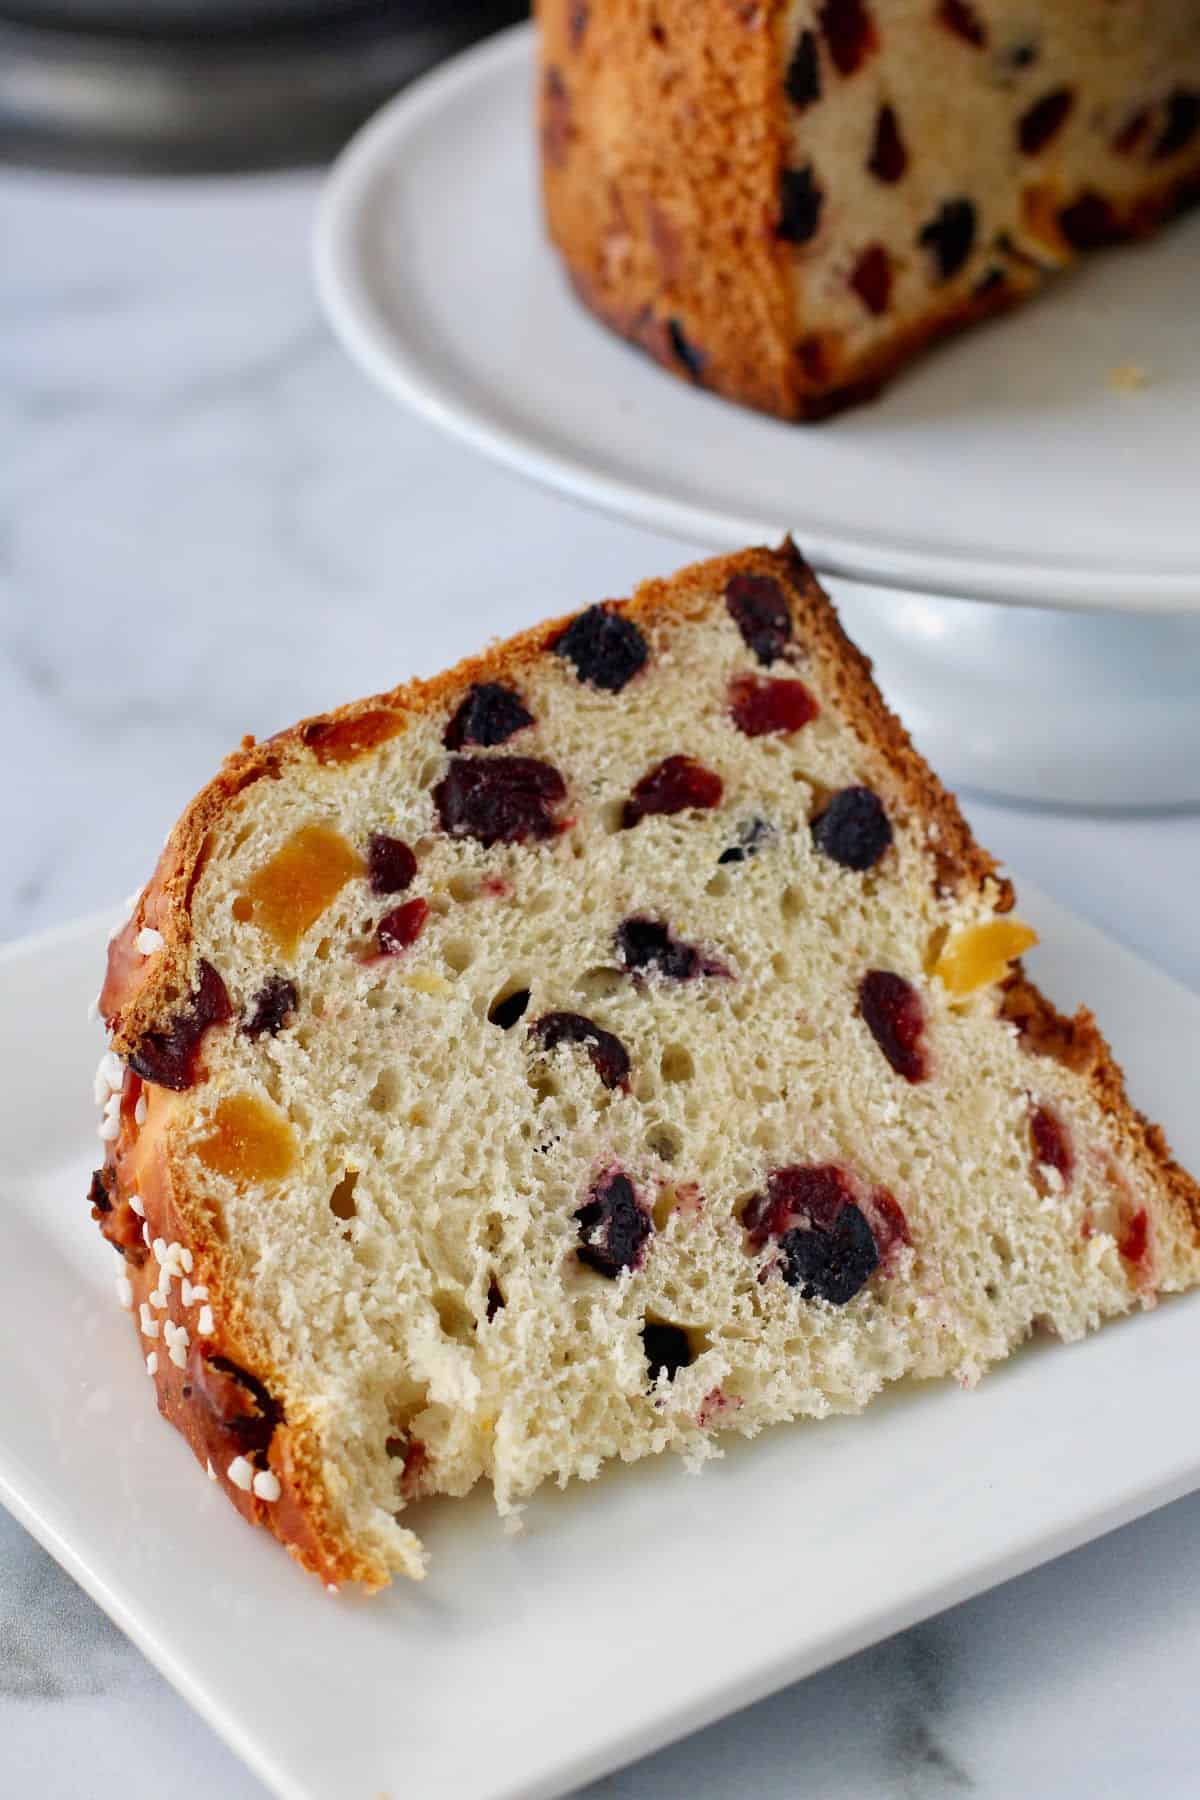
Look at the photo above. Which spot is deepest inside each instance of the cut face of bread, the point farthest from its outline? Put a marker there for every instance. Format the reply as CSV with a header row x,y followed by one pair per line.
x,y
784,202
613,1043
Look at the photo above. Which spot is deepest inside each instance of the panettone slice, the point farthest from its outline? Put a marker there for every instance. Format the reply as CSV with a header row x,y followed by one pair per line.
x,y
612,1043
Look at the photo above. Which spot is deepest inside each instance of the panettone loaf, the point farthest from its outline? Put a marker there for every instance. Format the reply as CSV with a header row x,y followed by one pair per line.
x,y
784,202
611,1043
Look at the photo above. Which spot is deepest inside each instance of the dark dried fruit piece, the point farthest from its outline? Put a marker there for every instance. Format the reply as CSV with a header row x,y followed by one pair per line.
x,y
853,828
606,648
807,1194
612,1226
241,1407
831,1262
800,202
685,351
802,82
1132,132
499,799
1044,118
891,1009
1089,222
949,237
751,838
1182,124
488,714
272,1006
957,16
1051,1145
556,119
850,33
871,279
761,704
577,22
888,159
758,607
645,944
1134,1241
888,1223
506,1012
495,1299
610,1059
677,784
170,1057
667,1349
401,927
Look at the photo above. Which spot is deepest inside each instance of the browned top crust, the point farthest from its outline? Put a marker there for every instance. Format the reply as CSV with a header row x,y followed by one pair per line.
x,y
227,1382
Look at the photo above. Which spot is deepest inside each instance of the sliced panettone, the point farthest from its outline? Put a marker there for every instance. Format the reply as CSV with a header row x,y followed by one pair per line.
x,y
785,202
613,1042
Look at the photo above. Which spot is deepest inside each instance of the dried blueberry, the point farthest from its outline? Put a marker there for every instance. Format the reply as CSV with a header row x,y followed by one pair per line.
x,y
891,1009
758,607
677,784
606,648
667,1348
610,1059
888,159
401,927
853,828
499,799
489,714
1043,120
1089,222
831,1263
871,279
849,31
949,237
763,704
800,201
959,17
645,944
272,1006
803,80
1182,123
170,1057
612,1226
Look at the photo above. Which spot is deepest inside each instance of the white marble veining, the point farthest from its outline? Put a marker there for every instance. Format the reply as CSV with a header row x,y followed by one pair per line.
x,y
209,524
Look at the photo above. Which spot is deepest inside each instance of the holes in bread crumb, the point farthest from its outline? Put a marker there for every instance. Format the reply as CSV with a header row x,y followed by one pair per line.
x,y
454,1318
791,904
431,768
664,1142
781,966
600,983
384,1097
539,902
323,949
465,886
459,953
242,909
509,1004
495,1299
676,1063
341,1202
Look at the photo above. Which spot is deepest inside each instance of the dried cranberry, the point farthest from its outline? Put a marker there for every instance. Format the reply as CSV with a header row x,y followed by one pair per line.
x,y
610,1059
751,838
888,159
800,201
499,799
1089,222
849,32
1044,118
888,1223
241,1406
606,648
489,714
667,1347
853,828
802,82
1182,124
758,607
692,358
272,1006
891,1009
613,1227
401,927
170,1057
809,1194
677,784
506,1012
1135,1238
762,704
871,279
957,16
645,944
1051,1145
949,237
831,1262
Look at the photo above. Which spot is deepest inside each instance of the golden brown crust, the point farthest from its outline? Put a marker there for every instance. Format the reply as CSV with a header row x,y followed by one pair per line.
x,y
140,993
664,129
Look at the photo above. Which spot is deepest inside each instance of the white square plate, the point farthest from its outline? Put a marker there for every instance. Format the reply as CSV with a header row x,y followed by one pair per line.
x,y
628,1612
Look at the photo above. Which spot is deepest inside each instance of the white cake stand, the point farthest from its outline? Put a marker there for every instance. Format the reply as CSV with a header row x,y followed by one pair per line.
x,y
1012,533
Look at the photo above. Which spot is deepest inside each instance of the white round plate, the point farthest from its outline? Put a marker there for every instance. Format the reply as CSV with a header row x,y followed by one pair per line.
x,y
1006,466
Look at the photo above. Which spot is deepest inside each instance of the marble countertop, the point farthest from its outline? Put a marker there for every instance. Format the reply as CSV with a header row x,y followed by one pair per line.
x,y
209,524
